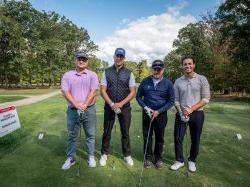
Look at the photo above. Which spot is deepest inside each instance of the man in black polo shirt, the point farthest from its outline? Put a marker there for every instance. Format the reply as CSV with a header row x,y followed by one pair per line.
x,y
155,95
117,89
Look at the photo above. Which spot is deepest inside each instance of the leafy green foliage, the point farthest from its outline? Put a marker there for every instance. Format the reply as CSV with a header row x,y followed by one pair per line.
x,y
37,47
140,69
234,19
220,46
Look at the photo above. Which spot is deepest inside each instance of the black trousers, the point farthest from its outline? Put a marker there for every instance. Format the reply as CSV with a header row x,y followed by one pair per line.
x,y
109,119
195,126
158,126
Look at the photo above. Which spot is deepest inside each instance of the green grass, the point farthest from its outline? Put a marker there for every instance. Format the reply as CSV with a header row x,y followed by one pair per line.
x,y
222,161
10,98
26,91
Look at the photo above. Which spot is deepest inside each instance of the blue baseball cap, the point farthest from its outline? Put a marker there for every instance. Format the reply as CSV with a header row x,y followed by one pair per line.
x,y
120,51
80,54
157,64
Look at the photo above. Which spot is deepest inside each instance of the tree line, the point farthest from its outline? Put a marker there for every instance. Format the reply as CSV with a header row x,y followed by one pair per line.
x,y
36,47
220,45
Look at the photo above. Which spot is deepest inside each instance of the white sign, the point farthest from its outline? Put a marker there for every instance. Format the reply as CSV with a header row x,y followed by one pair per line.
x,y
9,120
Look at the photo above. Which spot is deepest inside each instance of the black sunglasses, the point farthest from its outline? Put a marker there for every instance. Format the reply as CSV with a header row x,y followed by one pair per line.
x,y
157,69
82,59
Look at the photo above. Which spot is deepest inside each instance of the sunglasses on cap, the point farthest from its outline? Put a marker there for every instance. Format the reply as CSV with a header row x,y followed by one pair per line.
x,y
84,59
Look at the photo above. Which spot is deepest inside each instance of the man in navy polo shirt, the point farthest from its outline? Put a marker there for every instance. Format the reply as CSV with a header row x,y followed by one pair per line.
x,y
155,95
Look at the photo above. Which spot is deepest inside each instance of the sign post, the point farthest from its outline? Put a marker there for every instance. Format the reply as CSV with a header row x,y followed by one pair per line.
x,y
9,120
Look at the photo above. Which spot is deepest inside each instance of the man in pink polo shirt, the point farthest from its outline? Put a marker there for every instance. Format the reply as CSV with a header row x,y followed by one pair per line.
x,y
79,89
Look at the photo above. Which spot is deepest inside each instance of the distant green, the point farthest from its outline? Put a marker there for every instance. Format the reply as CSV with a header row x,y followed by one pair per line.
x,y
26,91
10,98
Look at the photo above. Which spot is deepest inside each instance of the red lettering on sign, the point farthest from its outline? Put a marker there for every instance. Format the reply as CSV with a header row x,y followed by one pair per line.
x,y
2,110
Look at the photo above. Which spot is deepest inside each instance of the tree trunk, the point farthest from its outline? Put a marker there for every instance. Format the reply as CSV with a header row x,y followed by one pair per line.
x,y
50,72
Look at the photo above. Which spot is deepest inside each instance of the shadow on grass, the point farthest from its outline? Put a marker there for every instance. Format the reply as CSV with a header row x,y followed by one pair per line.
x,y
55,144
11,142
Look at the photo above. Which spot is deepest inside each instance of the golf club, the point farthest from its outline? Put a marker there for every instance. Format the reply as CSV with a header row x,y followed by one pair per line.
x,y
186,172
144,156
113,147
80,120
117,111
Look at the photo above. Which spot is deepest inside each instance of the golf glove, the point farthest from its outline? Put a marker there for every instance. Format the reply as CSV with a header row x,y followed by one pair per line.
x,y
79,112
148,111
183,118
117,111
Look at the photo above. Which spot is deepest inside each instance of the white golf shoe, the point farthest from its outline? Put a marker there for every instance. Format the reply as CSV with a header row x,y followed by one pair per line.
x,y
129,160
191,166
68,163
92,162
103,160
177,165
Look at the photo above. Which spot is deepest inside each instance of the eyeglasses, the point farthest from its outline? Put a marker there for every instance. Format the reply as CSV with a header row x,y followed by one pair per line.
x,y
119,56
82,59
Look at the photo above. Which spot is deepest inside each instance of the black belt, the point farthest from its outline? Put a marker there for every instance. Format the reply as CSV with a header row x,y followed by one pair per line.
x,y
74,108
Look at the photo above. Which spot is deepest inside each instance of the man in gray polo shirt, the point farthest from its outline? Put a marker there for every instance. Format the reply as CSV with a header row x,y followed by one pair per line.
x,y
192,93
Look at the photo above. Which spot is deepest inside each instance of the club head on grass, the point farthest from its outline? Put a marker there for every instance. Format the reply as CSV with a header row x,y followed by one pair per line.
x,y
113,166
78,172
187,173
139,184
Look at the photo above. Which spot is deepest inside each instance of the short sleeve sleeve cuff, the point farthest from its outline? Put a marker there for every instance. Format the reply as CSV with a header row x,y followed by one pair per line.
x,y
132,80
104,80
